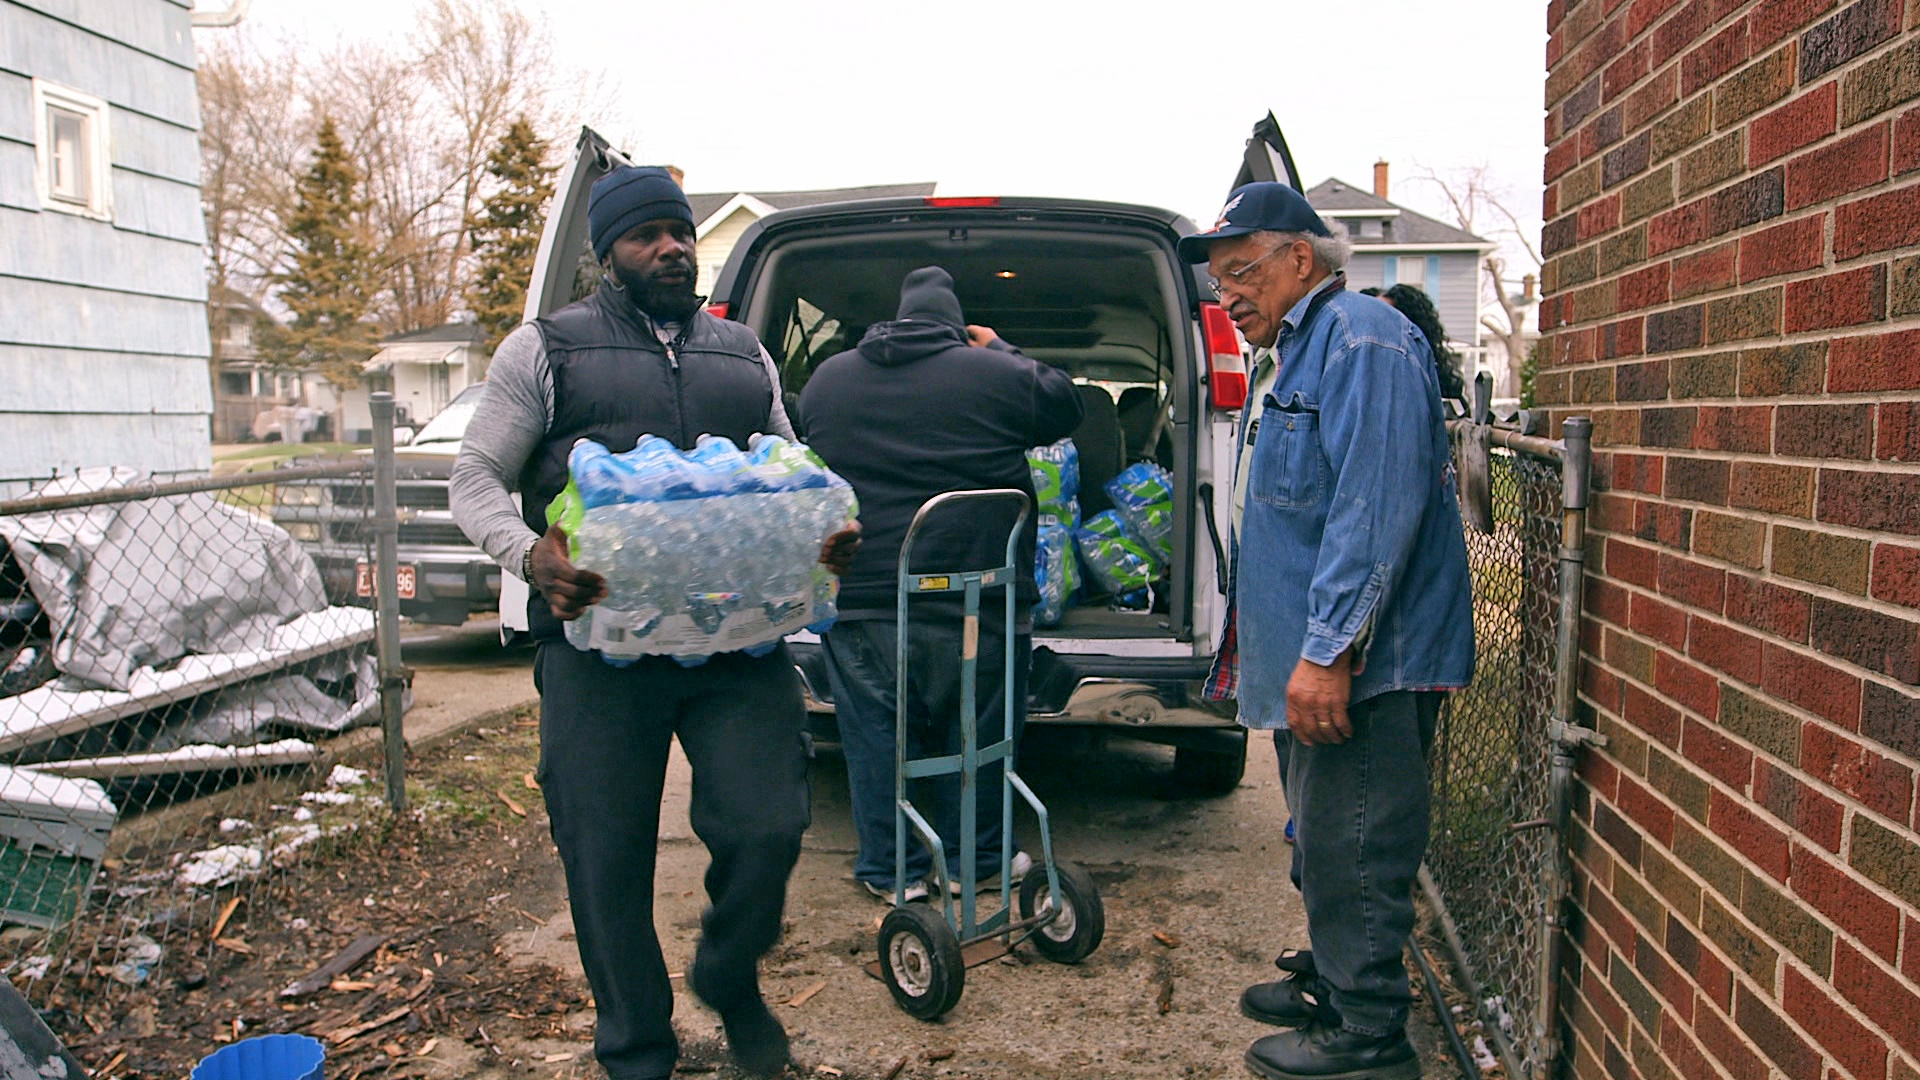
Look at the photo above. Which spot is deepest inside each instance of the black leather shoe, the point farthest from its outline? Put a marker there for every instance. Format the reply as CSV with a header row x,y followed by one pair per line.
x,y
1295,1001
1329,1053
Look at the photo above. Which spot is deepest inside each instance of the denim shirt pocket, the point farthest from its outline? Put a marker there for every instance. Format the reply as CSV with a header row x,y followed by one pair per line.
x,y
1288,468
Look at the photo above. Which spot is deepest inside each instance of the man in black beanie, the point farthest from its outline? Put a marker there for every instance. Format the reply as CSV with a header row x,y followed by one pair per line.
x,y
639,357
926,405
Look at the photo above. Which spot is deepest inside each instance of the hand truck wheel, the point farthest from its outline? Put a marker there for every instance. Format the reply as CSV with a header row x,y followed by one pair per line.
x,y
1076,931
920,961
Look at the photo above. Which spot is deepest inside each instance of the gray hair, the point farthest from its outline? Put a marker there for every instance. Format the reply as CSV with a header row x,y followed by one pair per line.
x,y
1330,252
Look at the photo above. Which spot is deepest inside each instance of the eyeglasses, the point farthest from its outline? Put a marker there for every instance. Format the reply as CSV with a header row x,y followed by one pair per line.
x,y
1240,275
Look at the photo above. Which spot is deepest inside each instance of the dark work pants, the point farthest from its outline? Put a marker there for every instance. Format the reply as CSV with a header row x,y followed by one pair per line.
x,y
1360,818
861,663
605,733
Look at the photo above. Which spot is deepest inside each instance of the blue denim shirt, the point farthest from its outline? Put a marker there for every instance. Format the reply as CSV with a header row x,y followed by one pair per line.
x,y
1351,531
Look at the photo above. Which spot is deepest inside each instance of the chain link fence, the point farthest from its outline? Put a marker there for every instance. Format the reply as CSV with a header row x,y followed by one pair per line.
x,y
176,671
1494,866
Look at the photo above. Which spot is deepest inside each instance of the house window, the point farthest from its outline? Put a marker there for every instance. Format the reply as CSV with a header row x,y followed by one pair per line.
x,y
240,333
70,133
1411,270
236,383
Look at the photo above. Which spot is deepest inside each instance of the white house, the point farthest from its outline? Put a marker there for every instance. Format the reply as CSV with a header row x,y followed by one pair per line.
x,y
424,369
103,325
721,217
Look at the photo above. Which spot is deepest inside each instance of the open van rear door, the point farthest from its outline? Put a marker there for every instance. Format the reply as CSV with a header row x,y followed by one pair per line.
x,y
556,266
1267,157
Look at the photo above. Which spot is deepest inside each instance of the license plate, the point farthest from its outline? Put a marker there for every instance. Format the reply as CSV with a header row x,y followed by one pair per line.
x,y
405,579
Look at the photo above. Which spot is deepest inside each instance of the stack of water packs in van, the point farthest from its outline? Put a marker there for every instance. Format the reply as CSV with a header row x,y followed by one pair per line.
x,y
1126,548
705,552
1056,486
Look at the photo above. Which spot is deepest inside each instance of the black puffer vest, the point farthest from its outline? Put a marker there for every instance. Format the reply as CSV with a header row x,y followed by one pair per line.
x,y
613,381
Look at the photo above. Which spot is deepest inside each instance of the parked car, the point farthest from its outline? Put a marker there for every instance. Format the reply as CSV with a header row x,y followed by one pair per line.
x,y
443,578
1092,286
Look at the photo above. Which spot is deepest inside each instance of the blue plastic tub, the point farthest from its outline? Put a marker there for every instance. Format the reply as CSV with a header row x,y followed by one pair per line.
x,y
266,1057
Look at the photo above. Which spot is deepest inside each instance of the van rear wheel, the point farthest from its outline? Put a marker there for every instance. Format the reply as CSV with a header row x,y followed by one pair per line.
x,y
1209,773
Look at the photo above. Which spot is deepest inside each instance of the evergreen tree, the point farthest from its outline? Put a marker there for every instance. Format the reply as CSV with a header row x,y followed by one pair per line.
x,y
505,231
328,289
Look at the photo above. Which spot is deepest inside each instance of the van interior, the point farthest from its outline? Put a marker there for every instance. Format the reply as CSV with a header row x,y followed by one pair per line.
x,y
1100,305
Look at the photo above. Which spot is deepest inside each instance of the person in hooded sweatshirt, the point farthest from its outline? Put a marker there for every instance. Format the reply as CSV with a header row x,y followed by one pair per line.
x,y
925,405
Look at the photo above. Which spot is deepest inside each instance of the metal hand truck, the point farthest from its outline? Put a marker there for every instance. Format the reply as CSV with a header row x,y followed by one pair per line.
x,y
925,951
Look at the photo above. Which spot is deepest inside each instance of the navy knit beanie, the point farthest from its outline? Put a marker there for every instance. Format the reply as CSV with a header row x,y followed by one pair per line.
x,y
927,295
629,196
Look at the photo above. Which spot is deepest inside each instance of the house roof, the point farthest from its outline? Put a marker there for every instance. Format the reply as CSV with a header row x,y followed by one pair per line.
x,y
461,333
707,205
1409,228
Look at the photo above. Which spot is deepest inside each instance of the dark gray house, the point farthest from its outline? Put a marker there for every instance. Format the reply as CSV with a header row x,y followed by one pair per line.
x,y
1392,244
103,324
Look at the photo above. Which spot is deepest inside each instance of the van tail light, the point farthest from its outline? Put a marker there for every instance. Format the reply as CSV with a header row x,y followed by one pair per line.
x,y
718,311
963,201
1226,366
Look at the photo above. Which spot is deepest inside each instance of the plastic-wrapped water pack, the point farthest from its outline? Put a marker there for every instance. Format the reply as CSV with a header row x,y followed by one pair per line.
x,y
1143,495
705,552
1056,573
1056,482
1120,563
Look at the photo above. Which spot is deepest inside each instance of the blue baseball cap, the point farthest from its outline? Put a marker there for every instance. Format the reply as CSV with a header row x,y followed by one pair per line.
x,y
1265,206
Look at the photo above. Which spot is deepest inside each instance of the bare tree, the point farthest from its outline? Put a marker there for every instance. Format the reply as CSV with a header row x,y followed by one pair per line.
x,y
1479,205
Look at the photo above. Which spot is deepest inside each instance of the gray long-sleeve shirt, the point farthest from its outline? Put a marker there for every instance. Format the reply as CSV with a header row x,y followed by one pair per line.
x,y
509,424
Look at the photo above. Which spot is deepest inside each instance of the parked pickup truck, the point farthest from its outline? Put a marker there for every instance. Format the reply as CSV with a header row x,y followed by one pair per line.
x,y
1094,287
443,577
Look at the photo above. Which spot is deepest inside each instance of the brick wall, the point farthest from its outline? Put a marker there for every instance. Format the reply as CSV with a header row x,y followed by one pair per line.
x,y
1733,280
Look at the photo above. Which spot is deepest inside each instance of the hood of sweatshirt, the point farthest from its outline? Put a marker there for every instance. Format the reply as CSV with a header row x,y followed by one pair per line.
x,y
928,321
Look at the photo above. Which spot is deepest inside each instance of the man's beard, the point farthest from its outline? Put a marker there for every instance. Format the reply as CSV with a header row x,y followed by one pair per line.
x,y
666,302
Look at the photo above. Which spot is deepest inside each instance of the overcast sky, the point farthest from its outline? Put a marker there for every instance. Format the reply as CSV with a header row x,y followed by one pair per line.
x,y
1147,103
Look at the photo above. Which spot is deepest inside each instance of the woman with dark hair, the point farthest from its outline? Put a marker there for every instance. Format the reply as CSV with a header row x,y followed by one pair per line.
x,y
1417,306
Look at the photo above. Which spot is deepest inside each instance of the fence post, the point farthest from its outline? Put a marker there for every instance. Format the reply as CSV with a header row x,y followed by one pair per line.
x,y
1565,736
386,590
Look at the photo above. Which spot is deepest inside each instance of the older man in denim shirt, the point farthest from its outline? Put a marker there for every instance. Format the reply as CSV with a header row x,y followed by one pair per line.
x,y
1350,615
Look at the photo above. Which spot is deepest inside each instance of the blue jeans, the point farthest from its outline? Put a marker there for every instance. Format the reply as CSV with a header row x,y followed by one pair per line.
x,y
861,663
1361,816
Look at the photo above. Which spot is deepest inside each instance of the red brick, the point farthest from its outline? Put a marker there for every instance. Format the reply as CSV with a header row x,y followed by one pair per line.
x,y
1652,99
1857,161
1646,810
1662,523
1732,1049
1885,999
1633,564
1623,338
1738,428
1910,963
1770,1033
1645,13
1882,499
1679,1046
1602,687
1849,1041
1896,574
1625,70
1677,228
1751,835
1846,298
1873,639
1651,715
1686,684
1834,431
1720,756
1725,649
1614,830
1599,216
1801,122
1874,362
1906,142
1816,686
1899,438
1877,223
1783,249
1662,622
1561,158
1693,583
1645,287
1873,780
1764,605
1705,271
1603,776
1813,814
1773,20
1721,54
1835,893
1779,489
1637,472
1661,976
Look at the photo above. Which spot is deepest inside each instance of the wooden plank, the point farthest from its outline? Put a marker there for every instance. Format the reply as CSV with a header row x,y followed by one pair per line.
x,y
16,107
40,446
16,176
48,713
155,146
158,207
152,26
45,379
341,962
49,313
74,250
187,759
33,42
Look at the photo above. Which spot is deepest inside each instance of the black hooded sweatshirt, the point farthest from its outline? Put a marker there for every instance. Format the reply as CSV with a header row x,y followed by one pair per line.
x,y
915,411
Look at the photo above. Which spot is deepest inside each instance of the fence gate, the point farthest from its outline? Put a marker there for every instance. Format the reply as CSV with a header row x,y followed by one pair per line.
x,y
1503,760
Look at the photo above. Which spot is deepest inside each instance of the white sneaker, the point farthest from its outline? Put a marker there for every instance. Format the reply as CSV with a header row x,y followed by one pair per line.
x,y
915,891
1022,865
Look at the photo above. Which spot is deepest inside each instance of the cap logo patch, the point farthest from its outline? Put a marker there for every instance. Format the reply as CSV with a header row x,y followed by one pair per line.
x,y
1227,209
